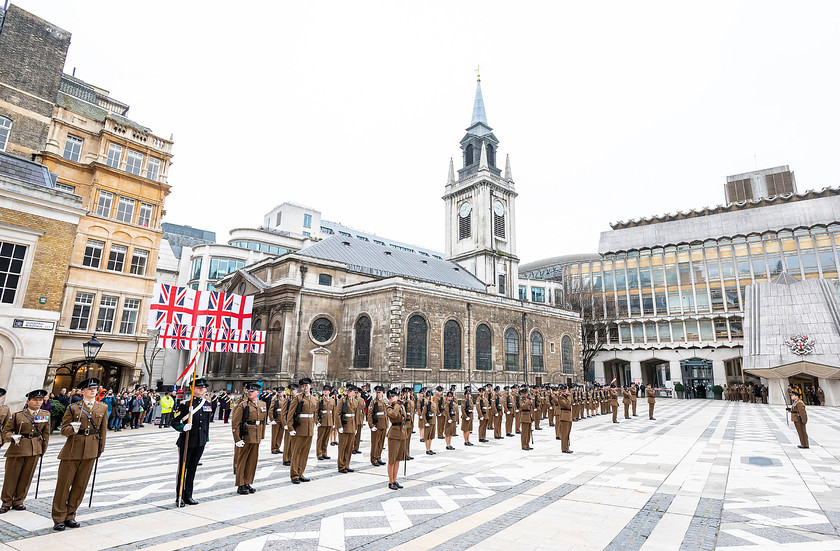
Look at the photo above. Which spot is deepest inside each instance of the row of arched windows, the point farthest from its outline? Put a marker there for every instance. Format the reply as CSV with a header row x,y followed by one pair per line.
x,y
417,332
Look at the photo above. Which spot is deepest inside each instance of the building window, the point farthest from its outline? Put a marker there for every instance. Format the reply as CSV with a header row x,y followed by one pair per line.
x,y
93,253
468,155
501,284
465,226
325,279
125,210
566,356
11,267
279,217
220,267
511,350
73,148
103,206
322,330
144,217
361,355
307,221
114,155
483,348
116,258
134,162
81,312
107,311
415,355
523,293
537,294
491,155
307,234
196,268
5,130
138,262
537,364
65,187
153,169
452,345
131,307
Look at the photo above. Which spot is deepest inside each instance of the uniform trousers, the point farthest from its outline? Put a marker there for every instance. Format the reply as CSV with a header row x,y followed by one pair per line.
x,y
245,464
633,403
70,487
800,430
537,420
482,426
557,425
509,423
300,454
377,442
408,431
323,441
345,449
614,412
565,430
650,410
525,431
627,410
193,457
287,449
440,422
497,425
276,437
17,478
357,441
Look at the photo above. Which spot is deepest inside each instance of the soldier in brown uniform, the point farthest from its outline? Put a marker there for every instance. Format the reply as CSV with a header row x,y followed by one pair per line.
x,y
467,413
799,417
439,411
820,396
565,418
509,412
614,402
377,420
626,402
248,427
275,419
484,413
426,420
634,390
324,421
410,405
396,437
85,424
526,406
287,438
537,408
450,415
4,412
498,408
301,421
651,400
554,410
28,432
362,398
345,411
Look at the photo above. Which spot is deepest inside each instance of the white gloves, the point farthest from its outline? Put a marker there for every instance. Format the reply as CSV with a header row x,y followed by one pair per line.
x,y
187,427
373,429
316,425
240,444
292,433
340,431
497,415
16,438
468,418
517,411
427,424
75,425
449,421
481,418
274,422
285,427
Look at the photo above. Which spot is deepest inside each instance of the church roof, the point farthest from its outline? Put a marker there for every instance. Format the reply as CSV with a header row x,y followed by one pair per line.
x,y
785,278
384,261
479,115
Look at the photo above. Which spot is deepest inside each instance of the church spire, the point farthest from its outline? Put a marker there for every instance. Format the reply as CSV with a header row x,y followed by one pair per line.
x,y
478,115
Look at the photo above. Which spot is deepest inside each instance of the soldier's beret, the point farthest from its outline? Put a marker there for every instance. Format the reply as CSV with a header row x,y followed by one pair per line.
x,y
91,382
497,389
39,393
406,389
305,381
201,383
2,391
392,392
523,390
450,394
328,387
429,393
439,389
294,386
507,388
379,388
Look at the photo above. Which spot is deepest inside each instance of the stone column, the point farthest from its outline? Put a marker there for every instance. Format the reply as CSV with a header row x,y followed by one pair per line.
x,y
635,372
261,357
598,369
719,372
676,372
775,388
832,391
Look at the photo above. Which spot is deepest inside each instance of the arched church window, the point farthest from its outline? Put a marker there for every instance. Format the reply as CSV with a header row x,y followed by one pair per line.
x,y
511,350
483,348
566,355
361,354
491,155
452,345
464,220
499,219
415,353
537,363
468,155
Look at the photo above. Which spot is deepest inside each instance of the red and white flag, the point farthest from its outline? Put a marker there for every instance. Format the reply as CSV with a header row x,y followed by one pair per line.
x,y
226,341
251,342
226,310
173,305
179,337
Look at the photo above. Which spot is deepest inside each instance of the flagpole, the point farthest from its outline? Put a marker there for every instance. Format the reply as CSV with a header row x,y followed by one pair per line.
x,y
187,437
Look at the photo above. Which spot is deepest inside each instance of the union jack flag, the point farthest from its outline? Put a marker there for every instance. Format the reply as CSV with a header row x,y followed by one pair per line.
x,y
173,305
216,309
256,342
179,337
226,341
205,339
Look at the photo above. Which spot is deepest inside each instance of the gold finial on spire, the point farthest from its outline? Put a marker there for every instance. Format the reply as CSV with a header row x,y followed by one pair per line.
x,y
477,72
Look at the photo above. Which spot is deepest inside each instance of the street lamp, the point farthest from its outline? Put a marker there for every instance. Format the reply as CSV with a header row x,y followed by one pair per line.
x,y
91,349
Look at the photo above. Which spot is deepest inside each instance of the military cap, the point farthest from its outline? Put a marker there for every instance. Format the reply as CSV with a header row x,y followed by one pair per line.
x,y
523,390
429,393
2,391
305,381
450,394
39,393
328,387
379,388
561,387
439,389
252,386
201,382
392,392
497,389
506,388
91,382
294,386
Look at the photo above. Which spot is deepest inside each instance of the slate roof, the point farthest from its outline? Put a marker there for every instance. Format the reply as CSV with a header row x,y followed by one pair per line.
x,y
23,171
385,261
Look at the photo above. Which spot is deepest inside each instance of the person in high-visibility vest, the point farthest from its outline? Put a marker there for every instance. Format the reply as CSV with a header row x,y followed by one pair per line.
x,y
167,402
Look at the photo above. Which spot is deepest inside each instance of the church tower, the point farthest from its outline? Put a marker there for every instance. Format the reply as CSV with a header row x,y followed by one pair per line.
x,y
480,208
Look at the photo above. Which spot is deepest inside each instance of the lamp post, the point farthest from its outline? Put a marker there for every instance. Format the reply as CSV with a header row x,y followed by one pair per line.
x,y
91,349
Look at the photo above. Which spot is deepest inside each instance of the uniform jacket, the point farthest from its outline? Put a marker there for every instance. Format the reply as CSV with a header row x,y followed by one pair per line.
x,y
4,414
395,413
449,410
626,397
255,421
300,416
200,430
564,404
613,397
651,396
345,414
89,442
376,414
326,411
410,406
34,431
797,413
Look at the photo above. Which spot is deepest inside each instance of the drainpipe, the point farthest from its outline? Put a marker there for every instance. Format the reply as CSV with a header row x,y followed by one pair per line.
x,y
469,338
303,270
524,349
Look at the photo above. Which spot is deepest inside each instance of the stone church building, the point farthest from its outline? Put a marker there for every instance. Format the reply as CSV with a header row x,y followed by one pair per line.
x,y
350,309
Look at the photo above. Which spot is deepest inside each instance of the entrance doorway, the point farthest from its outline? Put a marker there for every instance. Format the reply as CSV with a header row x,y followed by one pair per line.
x,y
71,374
618,369
698,377
803,383
656,372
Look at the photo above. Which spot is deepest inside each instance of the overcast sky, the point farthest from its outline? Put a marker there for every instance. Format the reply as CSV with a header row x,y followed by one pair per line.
x,y
608,110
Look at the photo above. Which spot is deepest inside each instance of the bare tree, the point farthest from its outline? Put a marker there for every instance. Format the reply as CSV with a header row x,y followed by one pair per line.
x,y
150,355
597,317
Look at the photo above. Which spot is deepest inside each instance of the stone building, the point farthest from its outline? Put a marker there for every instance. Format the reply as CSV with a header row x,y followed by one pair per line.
x,y
38,225
354,307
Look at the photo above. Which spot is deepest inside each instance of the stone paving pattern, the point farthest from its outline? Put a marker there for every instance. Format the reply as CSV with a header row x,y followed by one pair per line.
x,y
705,475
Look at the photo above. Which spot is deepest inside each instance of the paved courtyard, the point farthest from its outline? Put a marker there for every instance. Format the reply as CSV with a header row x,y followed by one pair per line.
x,y
705,475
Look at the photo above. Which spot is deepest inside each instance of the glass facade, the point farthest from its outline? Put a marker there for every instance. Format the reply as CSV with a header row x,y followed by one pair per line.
x,y
262,247
693,293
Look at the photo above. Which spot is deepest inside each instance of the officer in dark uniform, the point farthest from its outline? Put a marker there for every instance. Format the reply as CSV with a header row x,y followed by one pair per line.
x,y
192,420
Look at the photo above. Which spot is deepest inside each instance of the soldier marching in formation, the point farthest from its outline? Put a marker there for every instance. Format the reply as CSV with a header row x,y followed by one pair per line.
x,y
378,423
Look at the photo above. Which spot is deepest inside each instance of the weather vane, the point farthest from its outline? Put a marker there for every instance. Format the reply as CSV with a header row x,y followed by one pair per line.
x,y
477,72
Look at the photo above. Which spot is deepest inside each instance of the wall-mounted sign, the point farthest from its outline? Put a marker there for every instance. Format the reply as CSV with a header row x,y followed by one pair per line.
x,y
33,324
800,344
42,300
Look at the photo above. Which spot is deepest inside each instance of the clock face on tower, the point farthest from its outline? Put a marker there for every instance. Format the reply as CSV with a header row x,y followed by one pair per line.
x,y
499,208
465,210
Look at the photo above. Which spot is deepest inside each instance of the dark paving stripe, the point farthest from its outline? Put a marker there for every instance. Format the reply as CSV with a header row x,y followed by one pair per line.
x,y
702,532
636,532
